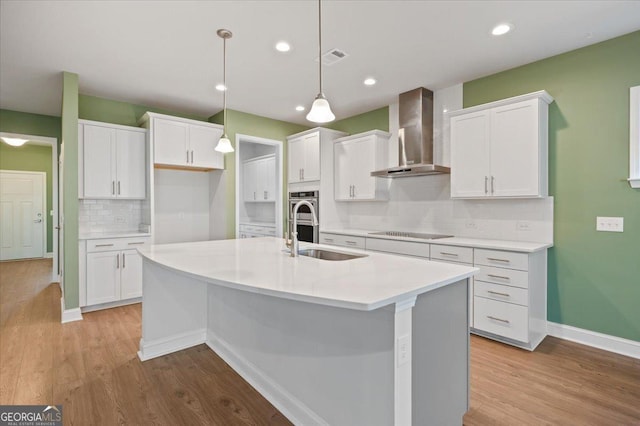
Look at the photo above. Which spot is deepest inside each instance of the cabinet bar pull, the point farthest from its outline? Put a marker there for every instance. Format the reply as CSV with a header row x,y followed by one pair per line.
x,y
492,179
265,195
118,187
495,259
498,293
118,261
498,319
330,240
444,253
351,243
124,256
498,276
136,243
104,245
191,156
354,191
486,184
254,195
113,187
187,156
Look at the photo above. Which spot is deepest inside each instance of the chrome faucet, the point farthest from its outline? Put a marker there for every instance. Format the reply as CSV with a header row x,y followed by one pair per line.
x,y
294,230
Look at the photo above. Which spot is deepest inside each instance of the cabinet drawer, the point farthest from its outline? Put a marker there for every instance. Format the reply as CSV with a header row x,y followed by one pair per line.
x,y
342,240
109,244
504,276
398,247
451,253
502,259
501,318
503,293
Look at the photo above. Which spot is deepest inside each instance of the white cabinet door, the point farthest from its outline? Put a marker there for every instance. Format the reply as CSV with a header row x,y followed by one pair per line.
x,y
470,151
202,143
296,159
130,164
249,180
170,142
515,150
270,178
311,168
342,181
99,162
130,275
363,162
103,277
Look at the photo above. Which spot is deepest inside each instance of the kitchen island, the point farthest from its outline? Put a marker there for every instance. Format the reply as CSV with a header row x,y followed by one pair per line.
x,y
375,340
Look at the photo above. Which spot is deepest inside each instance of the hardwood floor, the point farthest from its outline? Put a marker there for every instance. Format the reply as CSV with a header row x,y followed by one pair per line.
x,y
91,367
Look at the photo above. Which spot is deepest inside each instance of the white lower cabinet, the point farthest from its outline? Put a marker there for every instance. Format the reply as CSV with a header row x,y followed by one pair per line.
x,y
342,240
461,256
110,270
255,231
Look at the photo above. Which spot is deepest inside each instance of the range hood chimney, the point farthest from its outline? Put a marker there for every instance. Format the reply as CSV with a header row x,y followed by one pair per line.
x,y
415,137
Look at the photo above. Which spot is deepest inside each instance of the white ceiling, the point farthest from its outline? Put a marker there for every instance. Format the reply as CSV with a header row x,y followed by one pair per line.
x,y
166,53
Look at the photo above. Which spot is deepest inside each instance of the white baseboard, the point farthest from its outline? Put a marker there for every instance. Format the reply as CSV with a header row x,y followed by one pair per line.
x,y
606,342
290,406
110,305
178,342
69,315
48,255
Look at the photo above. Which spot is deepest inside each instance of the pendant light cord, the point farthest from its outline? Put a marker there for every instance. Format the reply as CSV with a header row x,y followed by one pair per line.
x,y
320,42
224,83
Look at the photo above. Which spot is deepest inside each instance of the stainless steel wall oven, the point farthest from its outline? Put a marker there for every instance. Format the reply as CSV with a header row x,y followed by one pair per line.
x,y
306,230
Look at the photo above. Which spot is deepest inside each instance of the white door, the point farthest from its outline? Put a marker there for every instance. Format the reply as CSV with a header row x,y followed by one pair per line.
x,y
22,219
270,179
202,143
514,150
99,162
311,169
342,173
130,164
296,159
470,149
131,275
170,142
103,277
363,160
249,179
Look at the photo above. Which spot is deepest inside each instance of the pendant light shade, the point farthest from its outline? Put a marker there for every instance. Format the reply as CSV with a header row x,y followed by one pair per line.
x,y
14,141
224,144
320,110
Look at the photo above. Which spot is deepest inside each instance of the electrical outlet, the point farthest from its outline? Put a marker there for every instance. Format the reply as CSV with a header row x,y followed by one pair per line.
x,y
610,224
120,219
404,349
471,224
523,225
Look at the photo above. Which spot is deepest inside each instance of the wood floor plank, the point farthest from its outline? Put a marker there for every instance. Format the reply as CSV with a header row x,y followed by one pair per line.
x,y
91,368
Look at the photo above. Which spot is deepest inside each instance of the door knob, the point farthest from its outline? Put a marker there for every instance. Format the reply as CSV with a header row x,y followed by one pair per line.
x,y
37,221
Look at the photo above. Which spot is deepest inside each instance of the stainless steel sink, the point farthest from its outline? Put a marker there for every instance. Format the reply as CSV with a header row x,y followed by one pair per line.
x,y
329,255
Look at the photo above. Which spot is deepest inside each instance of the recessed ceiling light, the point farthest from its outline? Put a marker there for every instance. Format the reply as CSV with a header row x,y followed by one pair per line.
x,y
369,81
299,108
283,46
501,29
220,87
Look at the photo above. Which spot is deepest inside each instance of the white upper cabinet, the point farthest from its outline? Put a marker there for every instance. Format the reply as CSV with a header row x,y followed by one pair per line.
x,y
112,161
259,179
182,143
500,149
355,157
304,153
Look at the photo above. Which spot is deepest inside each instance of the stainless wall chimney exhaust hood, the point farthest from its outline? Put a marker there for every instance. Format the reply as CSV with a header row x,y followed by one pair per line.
x,y
415,137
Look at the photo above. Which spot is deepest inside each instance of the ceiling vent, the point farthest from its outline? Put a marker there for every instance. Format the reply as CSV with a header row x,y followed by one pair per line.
x,y
333,56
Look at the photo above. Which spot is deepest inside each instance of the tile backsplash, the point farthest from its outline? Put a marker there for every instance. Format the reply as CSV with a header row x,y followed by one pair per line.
x,y
109,215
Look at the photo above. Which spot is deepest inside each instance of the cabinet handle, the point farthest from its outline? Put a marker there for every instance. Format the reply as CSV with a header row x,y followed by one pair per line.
x,y
351,243
498,293
354,191
113,187
498,319
191,156
187,156
329,240
136,243
118,187
492,179
104,245
486,184
495,259
444,253
254,195
498,276
124,257
118,261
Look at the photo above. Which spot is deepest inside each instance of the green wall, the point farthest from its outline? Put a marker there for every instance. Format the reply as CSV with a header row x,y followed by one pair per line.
x,y
376,119
116,112
594,277
70,188
31,157
251,125
34,158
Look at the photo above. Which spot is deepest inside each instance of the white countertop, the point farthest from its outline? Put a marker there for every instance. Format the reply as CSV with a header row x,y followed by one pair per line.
x,y
261,265
509,245
102,235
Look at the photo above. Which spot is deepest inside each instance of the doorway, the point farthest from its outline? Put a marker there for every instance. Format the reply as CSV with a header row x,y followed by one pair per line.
x,y
49,211
259,183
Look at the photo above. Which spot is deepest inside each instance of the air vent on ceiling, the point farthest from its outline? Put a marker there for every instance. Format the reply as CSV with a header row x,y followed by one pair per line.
x,y
333,56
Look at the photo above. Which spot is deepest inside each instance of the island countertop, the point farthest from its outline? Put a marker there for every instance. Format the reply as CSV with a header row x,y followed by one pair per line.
x,y
262,265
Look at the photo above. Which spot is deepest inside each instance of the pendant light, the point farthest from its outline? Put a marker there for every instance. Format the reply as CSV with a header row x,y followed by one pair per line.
x,y
224,144
320,110
14,141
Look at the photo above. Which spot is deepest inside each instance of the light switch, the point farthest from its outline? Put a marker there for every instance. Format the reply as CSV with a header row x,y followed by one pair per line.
x,y
610,224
